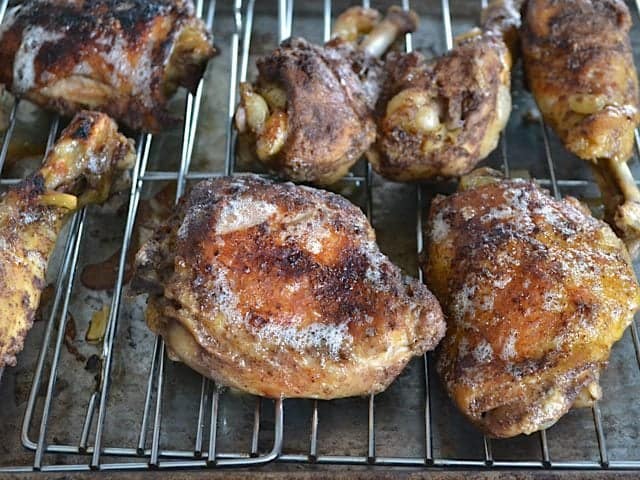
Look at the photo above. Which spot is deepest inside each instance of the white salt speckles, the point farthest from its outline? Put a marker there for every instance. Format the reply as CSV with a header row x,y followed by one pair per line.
x,y
293,287
243,213
509,347
137,74
439,228
483,353
225,298
498,214
554,301
37,259
467,212
502,282
24,73
463,301
308,231
314,246
317,336
486,303
195,215
27,218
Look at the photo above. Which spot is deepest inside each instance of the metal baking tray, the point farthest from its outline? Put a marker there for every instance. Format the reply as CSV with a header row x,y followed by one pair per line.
x,y
122,404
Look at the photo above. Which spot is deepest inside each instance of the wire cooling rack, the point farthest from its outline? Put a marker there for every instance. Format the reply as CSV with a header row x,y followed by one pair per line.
x,y
268,437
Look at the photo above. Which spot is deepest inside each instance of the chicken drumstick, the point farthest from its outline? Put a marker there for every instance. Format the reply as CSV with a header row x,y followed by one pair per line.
x,y
579,66
309,116
80,169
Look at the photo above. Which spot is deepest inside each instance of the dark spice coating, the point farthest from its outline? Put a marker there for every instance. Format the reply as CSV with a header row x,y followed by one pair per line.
x,y
536,292
470,88
82,163
579,65
330,93
124,58
280,290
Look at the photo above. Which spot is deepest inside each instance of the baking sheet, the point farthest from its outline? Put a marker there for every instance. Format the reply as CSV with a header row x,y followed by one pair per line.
x,y
342,424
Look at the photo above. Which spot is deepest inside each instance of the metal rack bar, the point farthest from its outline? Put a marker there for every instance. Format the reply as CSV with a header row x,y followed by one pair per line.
x,y
37,463
144,143
597,418
204,395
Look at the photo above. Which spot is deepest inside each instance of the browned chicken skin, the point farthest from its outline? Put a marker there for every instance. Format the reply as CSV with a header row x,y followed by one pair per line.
x,y
281,290
309,115
439,118
80,169
579,65
124,58
536,291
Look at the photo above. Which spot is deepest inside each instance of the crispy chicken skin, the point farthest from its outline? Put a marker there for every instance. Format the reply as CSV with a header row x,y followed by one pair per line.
x,y
309,115
124,58
579,65
536,291
80,169
439,118
281,290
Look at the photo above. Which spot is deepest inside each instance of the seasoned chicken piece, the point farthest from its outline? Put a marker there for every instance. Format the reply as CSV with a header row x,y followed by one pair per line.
x,y
579,66
124,58
79,170
439,118
280,290
309,116
536,292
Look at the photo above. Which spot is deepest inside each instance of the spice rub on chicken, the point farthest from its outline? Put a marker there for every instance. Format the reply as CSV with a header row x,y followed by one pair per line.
x,y
536,292
124,58
440,117
579,65
309,115
82,167
281,290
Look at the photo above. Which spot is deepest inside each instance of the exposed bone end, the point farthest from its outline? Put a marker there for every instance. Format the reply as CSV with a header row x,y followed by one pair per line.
x,y
397,22
502,17
406,21
621,200
627,221
355,22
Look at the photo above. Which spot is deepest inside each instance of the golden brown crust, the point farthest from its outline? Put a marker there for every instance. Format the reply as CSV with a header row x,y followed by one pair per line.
x,y
281,290
467,92
579,66
536,292
81,166
124,58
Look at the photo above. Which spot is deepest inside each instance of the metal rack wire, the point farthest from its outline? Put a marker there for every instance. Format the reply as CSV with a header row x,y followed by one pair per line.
x,y
93,448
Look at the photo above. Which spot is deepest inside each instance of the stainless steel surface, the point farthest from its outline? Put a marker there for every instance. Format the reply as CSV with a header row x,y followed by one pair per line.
x,y
138,410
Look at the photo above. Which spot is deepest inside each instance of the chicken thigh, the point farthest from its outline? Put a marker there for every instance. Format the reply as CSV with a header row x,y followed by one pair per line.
x,y
536,292
281,290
